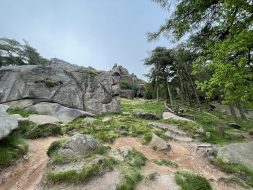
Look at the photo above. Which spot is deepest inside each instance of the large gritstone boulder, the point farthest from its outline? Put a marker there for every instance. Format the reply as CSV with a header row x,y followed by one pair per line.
x,y
7,122
30,85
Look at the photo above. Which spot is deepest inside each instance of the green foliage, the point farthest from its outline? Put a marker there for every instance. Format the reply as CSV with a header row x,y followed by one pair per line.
x,y
22,112
91,71
55,146
44,130
131,177
148,106
11,148
14,53
147,137
135,159
74,176
190,181
163,162
221,34
238,170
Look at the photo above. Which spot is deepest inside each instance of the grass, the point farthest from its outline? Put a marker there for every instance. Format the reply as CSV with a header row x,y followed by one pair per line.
x,y
44,130
120,125
135,159
191,181
22,112
11,148
163,162
238,170
148,107
55,146
73,176
131,176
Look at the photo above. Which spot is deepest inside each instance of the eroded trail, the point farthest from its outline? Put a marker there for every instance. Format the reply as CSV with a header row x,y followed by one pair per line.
x,y
25,174
186,156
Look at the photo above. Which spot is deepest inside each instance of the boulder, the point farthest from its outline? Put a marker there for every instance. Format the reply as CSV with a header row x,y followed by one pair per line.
x,y
169,115
122,152
239,153
28,85
159,144
44,130
80,144
144,115
129,94
7,122
43,119
62,113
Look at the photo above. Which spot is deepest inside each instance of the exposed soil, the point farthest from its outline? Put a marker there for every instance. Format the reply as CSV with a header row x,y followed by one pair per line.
x,y
186,156
26,173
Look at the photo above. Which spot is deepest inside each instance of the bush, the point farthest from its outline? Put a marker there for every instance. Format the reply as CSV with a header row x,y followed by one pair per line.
x,y
20,111
11,148
191,181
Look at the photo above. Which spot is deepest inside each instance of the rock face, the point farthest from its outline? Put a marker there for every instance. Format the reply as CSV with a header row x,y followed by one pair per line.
x,y
30,85
129,94
7,122
240,153
159,144
130,85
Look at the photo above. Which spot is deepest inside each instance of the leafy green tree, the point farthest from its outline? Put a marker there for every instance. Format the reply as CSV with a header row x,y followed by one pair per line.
x,y
222,35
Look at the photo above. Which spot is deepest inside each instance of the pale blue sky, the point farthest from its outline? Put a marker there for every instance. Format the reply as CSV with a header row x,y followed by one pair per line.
x,y
95,33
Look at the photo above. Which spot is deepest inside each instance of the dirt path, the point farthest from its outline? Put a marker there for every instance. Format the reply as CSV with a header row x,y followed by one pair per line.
x,y
186,156
25,174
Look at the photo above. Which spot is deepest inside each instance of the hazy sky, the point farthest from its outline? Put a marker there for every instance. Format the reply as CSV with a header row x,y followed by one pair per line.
x,y
95,33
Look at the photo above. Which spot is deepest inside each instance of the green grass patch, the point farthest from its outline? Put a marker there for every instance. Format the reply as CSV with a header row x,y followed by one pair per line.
x,y
191,181
128,105
22,112
85,174
11,148
131,177
73,176
120,125
135,158
44,130
238,170
163,162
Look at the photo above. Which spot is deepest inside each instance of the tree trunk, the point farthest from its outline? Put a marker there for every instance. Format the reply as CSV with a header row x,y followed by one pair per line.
x,y
193,88
232,110
181,88
157,90
169,92
241,111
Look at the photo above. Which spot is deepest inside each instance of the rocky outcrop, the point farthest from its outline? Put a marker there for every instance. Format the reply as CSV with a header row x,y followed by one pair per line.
x,y
7,122
144,115
239,153
159,144
130,84
30,86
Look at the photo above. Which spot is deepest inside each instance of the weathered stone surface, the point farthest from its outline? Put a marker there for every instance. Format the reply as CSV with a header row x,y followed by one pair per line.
x,y
107,119
169,115
7,122
58,111
240,153
89,120
129,94
143,115
42,119
25,86
159,144
81,144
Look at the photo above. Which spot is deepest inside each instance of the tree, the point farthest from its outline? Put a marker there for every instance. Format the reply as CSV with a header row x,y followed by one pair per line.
x,y
221,34
14,53
161,60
